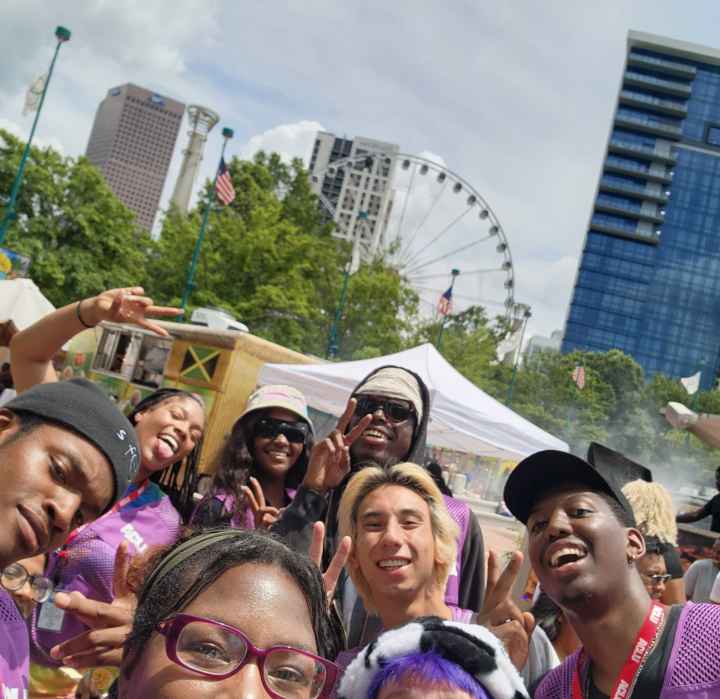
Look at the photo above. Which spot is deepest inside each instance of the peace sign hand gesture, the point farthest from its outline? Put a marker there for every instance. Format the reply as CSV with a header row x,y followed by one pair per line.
x,y
128,305
332,574
330,458
265,515
110,623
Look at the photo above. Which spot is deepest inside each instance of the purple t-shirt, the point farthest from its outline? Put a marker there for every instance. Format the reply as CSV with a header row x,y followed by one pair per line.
x,y
14,650
88,562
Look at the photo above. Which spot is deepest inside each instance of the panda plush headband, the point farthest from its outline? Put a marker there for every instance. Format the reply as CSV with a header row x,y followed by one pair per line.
x,y
473,648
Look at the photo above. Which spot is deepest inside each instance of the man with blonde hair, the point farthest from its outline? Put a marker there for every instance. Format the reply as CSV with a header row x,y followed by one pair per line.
x,y
404,549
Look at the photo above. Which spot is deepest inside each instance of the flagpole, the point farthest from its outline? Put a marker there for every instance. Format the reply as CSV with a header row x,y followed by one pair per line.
x,y
526,317
62,34
189,284
454,273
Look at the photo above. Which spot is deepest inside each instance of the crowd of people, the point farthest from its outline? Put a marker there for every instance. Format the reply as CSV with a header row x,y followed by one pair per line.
x,y
314,568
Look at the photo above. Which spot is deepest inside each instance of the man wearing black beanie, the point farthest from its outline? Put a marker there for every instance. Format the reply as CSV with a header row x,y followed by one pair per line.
x,y
66,455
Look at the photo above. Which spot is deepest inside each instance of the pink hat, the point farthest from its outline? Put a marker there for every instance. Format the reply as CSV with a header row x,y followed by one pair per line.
x,y
277,396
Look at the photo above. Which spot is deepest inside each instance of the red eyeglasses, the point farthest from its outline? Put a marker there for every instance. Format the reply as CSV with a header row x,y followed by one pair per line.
x,y
213,649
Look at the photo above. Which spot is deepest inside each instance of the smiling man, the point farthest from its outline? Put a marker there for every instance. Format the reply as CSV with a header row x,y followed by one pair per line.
x,y
66,453
386,424
584,549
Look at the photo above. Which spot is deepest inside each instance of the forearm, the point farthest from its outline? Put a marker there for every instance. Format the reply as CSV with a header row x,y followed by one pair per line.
x,y
689,517
295,523
32,349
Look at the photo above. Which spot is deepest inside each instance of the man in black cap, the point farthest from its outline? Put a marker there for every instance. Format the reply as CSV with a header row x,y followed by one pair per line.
x,y
66,454
583,546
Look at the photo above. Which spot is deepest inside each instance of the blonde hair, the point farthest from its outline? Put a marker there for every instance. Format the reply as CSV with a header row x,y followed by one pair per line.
x,y
415,478
653,508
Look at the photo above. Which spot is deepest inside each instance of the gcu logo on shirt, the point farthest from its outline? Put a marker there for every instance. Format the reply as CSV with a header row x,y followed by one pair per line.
x,y
639,651
656,615
133,536
622,689
13,693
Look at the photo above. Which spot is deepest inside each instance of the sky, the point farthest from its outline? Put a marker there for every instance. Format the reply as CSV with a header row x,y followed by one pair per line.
x,y
515,96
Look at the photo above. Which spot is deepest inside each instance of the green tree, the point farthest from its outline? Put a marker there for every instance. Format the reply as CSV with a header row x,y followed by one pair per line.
x,y
80,237
270,259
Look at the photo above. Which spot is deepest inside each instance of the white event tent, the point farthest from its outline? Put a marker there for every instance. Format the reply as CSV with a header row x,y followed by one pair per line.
x,y
462,417
22,303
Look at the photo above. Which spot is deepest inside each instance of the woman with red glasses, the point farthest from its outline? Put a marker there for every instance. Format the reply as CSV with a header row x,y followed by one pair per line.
x,y
262,463
230,613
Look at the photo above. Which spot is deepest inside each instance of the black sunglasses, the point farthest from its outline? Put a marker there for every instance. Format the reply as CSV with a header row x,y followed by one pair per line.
x,y
294,432
396,411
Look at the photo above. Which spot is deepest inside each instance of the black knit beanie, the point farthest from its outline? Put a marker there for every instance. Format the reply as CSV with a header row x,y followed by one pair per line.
x,y
80,405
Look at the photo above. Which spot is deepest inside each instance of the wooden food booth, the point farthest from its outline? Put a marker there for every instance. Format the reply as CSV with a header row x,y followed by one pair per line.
x,y
222,366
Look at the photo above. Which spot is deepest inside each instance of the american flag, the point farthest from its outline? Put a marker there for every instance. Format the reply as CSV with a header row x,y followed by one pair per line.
x,y
224,187
444,307
578,376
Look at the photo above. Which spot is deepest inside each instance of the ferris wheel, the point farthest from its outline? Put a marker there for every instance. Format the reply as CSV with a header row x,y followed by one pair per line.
x,y
432,226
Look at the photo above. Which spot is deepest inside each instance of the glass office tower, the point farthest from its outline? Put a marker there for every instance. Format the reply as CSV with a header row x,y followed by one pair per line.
x,y
649,277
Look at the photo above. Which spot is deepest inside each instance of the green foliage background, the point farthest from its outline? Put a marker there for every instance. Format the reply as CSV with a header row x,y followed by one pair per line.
x,y
270,259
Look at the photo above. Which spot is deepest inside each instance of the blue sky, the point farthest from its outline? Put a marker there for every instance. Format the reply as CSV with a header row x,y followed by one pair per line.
x,y
515,96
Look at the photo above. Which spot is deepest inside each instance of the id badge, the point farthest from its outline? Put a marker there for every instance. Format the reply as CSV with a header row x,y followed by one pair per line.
x,y
50,617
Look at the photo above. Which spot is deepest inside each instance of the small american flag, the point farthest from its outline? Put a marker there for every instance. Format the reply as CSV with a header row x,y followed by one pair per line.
x,y
224,187
578,376
444,307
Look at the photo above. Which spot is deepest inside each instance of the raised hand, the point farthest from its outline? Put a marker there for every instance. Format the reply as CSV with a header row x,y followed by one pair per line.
x,y
332,574
110,624
265,515
500,613
127,305
330,458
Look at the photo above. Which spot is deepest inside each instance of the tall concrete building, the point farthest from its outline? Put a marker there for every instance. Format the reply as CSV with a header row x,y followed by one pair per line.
x,y
649,276
361,197
132,142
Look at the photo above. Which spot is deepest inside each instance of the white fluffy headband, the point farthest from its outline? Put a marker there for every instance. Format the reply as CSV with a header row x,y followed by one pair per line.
x,y
470,646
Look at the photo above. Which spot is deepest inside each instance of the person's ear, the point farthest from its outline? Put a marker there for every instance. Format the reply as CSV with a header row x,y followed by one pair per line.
x,y
635,545
8,420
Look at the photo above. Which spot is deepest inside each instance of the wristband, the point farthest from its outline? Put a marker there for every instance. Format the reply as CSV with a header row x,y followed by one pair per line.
x,y
79,317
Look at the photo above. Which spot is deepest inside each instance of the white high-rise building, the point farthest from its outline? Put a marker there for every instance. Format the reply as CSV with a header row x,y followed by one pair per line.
x,y
360,197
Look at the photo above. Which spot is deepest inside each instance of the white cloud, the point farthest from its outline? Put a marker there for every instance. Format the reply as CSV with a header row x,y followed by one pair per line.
x,y
289,140
515,97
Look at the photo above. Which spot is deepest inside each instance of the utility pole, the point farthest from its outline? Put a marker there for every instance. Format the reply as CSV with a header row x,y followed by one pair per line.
x,y
62,35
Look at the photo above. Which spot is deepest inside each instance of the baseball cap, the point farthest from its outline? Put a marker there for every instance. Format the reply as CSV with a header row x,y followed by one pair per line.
x,y
81,406
277,396
545,470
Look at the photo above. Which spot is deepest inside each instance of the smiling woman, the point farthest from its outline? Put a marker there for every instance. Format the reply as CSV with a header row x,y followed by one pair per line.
x,y
262,463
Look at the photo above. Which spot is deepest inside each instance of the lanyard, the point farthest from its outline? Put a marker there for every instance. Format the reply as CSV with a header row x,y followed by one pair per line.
x,y
635,661
130,497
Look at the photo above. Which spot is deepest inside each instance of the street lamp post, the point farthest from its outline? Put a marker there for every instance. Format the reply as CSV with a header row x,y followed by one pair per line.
x,y
62,35
526,317
190,284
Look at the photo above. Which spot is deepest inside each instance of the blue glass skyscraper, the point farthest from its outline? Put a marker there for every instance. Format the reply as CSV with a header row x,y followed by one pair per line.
x,y
649,277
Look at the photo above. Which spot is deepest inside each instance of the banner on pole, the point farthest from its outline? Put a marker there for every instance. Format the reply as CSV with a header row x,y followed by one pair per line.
x,y
33,94
691,383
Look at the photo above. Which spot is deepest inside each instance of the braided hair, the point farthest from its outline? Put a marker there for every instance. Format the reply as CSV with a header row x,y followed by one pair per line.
x,y
179,480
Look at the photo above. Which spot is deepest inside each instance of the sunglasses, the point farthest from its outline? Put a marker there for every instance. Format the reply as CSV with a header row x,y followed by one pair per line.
x,y
657,579
216,650
294,432
15,576
396,411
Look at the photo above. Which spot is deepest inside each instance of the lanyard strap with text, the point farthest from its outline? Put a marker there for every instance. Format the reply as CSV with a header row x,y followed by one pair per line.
x,y
641,648
130,497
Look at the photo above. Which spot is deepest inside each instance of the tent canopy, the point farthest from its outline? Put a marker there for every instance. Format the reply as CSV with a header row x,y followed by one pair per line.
x,y
462,417
21,303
